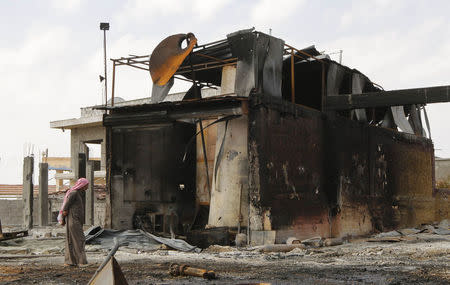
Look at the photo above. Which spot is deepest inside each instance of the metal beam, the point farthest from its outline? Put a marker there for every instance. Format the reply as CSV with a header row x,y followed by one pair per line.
x,y
427,95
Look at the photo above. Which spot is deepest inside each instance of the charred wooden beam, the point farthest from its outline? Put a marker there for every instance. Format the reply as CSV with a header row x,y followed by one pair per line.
x,y
427,95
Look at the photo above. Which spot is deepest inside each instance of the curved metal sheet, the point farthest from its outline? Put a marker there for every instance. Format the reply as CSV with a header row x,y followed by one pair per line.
x,y
168,56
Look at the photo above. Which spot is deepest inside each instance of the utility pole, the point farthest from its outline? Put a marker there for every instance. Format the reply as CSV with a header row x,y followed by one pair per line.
x,y
105,27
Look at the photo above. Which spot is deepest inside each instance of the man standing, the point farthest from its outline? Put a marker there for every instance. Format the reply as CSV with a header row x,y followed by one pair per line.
x,y
72,215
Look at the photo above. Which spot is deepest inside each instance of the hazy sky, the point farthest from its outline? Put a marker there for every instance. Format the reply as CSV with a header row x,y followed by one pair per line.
x,y
52,53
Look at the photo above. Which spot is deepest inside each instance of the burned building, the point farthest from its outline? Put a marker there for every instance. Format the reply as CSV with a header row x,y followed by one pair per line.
x,y
296,145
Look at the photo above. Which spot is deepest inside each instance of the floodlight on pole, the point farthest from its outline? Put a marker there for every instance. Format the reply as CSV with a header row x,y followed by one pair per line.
x,y
105,27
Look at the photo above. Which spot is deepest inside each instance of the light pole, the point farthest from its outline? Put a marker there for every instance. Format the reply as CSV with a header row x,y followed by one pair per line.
x,y
105,27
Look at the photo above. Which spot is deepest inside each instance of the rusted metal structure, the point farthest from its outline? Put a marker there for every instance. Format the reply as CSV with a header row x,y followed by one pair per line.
x,y
296,145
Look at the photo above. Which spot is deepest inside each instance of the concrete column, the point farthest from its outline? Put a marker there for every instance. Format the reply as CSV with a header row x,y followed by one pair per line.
x,y
43,194
103,155
59,182
81,166
229,195
81,173
27,191
116,201
90,197
228,79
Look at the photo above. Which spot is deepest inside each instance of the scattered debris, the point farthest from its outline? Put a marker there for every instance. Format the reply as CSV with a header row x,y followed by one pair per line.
x,y
280,247
11,235
424,261
332,241
219,248
386,239
186,270
210,236
406,232
173,243
314,241
440,231
297,251
444,224
388,234
241,240
135,239
293,240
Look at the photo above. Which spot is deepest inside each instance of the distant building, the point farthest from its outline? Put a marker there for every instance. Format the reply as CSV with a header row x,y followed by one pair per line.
x,y
442,166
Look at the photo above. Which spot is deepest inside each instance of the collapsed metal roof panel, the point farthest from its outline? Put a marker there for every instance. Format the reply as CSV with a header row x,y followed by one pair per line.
x,y
171,111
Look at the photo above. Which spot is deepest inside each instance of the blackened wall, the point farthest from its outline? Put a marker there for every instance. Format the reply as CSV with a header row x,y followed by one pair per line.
x,y
287,143
315,175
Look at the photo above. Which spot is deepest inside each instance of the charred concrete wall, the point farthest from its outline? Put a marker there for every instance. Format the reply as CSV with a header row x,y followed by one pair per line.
x,y
229,195
378,179
286,174
347,169
330,176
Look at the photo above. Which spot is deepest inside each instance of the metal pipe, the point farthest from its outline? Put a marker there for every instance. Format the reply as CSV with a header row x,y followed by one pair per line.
x,y
131,57
135,66
210,44
186,270
210,57
106,77
113,83
205,157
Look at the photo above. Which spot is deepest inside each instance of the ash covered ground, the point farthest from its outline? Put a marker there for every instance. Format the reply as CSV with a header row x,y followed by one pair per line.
x,y
420,258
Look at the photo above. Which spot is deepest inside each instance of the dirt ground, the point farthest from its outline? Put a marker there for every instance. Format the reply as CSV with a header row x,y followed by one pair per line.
x,y
420,259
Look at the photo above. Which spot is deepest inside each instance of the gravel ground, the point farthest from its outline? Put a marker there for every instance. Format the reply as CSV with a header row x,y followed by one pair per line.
x,y
420,259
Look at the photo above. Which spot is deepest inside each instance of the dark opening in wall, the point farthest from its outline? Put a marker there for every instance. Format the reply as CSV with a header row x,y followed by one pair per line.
x,y
308,82
148,165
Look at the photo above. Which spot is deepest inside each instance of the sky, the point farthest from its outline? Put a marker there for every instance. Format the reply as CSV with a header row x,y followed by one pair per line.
x,y
52,53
